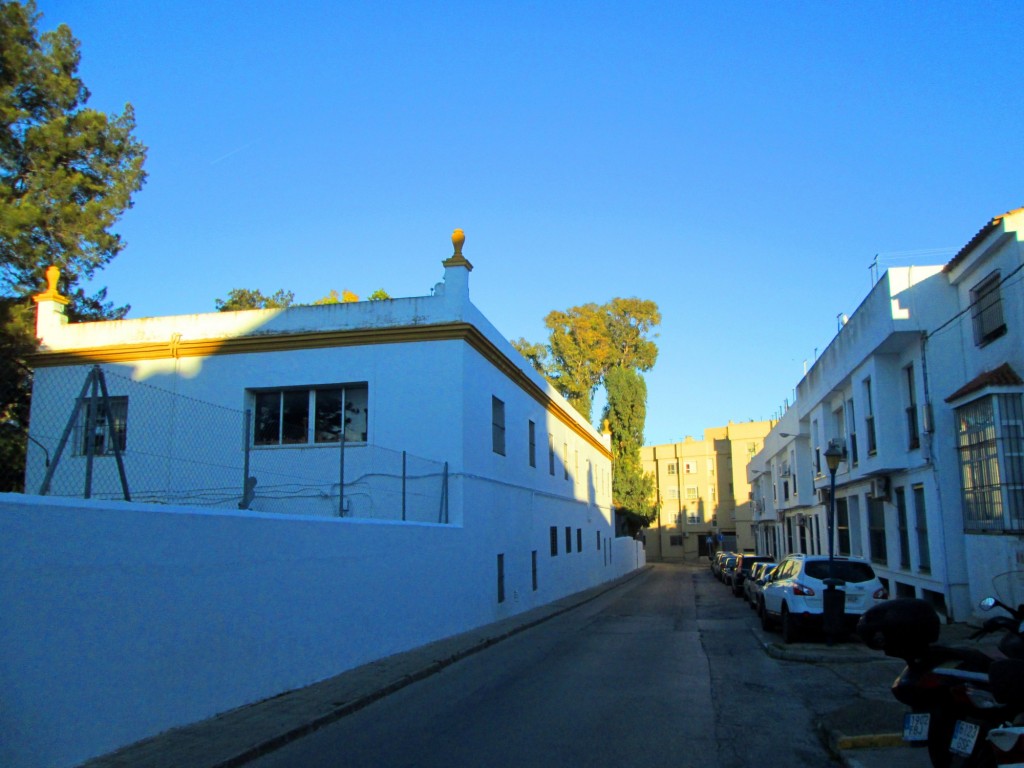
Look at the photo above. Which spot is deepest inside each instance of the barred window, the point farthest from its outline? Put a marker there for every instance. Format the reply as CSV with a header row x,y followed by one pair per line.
x,y
109,419
990,439
283,416
987,310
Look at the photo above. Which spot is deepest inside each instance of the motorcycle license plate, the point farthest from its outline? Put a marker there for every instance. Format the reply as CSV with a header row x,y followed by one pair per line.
x,y
915,726
964,736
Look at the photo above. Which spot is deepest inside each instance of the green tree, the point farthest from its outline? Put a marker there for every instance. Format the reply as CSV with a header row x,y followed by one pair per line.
x,y
346,297
626,413
578,348
67,174
246,298
587,341
607,344
628,321
537,354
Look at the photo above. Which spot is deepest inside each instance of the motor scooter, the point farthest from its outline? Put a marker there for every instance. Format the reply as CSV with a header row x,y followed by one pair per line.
x,y
1006,742
948,689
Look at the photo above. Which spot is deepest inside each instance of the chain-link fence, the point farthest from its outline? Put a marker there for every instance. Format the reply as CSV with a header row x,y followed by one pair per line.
x,y
96,434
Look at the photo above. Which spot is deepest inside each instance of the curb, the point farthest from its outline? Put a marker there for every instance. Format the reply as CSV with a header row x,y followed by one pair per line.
x,y
839,742
813,655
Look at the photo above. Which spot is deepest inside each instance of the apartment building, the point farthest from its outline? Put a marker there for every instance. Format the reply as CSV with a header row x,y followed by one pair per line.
x,y
702,492
921,393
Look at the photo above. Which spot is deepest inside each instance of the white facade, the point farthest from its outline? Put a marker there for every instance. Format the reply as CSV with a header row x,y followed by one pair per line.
x,y
467,491
882,391
433,370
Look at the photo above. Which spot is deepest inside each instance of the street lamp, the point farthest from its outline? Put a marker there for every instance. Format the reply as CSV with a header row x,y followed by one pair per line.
x,y
834,605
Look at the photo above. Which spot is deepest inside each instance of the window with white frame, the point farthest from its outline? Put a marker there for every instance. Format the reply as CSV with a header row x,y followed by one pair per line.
x,y
691,492
690,467
987,310
673,493
990,442
671,467
103,422
310,415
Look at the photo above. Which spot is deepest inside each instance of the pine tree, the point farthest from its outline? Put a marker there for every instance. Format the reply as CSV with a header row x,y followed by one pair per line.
x,y
67,174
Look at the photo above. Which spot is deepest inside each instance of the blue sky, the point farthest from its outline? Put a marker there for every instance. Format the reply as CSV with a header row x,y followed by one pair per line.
x,y
740,163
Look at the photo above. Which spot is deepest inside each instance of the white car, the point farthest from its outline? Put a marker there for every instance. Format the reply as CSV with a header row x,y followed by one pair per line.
x,y
793,596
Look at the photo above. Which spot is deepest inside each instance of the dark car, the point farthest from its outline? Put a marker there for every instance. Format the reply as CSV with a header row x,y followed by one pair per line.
x,y
726,568
716,563
743,565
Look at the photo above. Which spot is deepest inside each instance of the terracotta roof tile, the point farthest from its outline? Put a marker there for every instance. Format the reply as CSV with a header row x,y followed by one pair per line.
x,y
981,235
1003,376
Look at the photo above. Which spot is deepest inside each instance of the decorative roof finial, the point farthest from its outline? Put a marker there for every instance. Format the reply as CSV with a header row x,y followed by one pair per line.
x,y
51,293
457,259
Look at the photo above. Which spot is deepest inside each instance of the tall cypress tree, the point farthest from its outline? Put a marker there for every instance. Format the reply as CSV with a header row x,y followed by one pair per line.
x,y
626,413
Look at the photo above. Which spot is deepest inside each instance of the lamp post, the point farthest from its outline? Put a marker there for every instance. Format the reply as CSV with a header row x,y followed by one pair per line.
x,y
834,600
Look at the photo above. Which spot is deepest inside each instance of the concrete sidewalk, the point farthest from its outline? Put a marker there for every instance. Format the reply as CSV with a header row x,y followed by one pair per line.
x,y
869,733
865,734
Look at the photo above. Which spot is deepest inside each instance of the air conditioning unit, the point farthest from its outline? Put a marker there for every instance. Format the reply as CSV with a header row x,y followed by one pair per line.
x,y
879,488
823,495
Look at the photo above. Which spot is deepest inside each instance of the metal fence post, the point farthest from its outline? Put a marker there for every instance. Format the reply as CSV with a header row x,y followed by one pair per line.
x,y
443,513
341,473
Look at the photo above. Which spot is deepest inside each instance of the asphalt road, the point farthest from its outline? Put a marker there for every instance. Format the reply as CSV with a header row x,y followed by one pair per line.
x,y
667,670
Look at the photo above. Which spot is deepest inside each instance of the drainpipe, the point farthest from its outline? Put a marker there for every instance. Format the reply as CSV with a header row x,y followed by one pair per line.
x,y
934,462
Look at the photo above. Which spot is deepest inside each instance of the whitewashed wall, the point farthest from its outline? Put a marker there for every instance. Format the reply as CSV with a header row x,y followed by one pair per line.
x,y
123,620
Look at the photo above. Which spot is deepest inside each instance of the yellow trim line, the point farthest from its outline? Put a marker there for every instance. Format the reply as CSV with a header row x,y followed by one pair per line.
x,y
281,342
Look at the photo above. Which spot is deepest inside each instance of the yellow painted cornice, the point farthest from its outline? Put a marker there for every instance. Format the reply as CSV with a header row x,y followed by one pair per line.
x,y
176,347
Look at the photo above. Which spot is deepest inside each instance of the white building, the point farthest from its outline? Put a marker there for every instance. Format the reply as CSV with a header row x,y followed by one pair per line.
x,y
427,377
921,388
459,489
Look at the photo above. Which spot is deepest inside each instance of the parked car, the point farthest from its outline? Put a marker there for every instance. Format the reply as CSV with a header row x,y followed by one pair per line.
x,y
716,563
744,562
754,583
727,567
793,597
